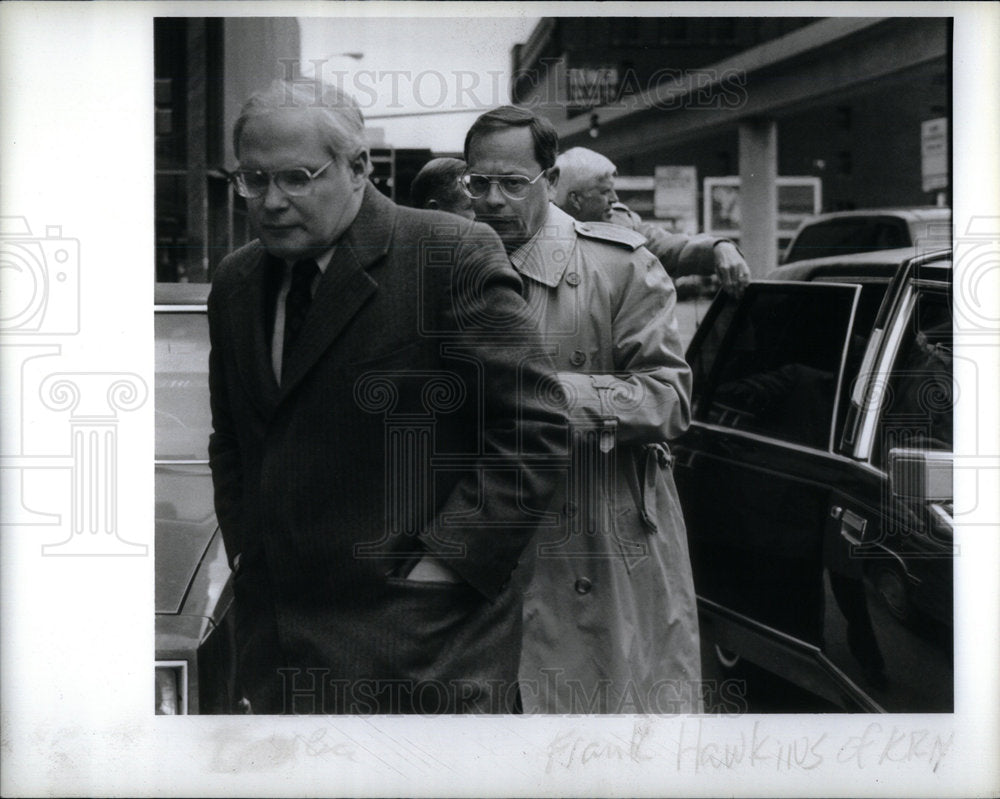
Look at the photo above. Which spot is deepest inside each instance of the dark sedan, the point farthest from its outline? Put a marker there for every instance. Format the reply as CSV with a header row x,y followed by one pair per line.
x,y
816,480
194,628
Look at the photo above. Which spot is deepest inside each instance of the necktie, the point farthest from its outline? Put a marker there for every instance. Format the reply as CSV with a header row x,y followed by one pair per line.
x,y
297,303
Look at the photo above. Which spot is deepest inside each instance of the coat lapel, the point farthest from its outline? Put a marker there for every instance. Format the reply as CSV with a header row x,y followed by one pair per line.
x,y
344,287
547,257
253,351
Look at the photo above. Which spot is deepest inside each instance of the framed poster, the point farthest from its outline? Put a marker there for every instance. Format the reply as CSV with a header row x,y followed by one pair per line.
x,y
798,197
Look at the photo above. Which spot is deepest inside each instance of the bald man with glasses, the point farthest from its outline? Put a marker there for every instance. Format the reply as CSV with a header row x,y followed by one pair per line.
x,y
375,374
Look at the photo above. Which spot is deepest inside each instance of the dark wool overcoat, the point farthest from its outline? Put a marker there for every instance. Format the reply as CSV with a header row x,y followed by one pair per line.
x,y
413,417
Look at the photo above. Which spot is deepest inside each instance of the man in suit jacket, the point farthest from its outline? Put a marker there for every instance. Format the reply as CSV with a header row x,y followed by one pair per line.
x,y
382,432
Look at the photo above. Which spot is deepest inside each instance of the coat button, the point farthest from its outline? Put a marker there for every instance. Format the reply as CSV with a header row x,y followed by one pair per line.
x,y
569,509
582,585
573,279
578,358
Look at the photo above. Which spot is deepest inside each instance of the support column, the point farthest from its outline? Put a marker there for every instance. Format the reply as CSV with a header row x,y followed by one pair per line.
x,y
196,258
759,194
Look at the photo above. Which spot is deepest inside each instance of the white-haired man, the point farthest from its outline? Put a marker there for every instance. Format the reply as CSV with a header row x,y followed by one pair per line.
x,y
586,192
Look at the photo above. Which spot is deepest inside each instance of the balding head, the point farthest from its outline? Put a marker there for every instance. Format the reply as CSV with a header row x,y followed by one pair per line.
x,y
586,184
437,185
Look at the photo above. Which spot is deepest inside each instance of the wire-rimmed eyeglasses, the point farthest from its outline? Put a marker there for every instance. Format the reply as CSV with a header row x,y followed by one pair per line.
x,y
295,182
513,187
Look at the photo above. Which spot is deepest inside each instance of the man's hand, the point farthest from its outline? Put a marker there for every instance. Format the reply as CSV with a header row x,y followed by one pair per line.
x,y
430,569
733,272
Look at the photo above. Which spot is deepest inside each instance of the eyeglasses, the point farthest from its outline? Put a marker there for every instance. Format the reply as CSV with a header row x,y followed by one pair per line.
x,y
296,182
513,187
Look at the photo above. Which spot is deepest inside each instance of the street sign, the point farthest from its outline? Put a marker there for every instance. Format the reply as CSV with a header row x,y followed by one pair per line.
x,y
934,154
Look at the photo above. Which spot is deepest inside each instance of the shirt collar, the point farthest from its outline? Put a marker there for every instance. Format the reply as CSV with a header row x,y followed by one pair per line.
x,y
322,260
545,256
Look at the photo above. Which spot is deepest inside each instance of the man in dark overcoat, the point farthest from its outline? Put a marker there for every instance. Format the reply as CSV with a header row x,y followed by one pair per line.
x,y
383,434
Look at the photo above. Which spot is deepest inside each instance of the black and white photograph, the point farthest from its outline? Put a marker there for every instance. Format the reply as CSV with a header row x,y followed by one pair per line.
x,y
493,399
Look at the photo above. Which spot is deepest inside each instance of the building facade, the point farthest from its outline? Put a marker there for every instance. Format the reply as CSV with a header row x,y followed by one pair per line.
x,y
842,102
204,69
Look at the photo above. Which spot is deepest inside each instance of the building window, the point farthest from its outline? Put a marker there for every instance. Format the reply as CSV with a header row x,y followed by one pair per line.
x,y
171,226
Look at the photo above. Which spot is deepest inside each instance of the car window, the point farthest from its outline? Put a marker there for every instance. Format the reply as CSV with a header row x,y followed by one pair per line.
x,y
183,415
916,407
849,235
872,295
775,371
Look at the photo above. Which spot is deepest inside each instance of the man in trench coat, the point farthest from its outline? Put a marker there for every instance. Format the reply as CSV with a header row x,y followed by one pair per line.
x,y
610,616
379,420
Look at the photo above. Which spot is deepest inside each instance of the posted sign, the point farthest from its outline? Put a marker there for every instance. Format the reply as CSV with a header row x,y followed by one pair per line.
x,y
934,154
675,197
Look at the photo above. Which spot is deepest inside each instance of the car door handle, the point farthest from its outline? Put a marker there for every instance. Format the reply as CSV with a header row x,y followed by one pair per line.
x,y
852,526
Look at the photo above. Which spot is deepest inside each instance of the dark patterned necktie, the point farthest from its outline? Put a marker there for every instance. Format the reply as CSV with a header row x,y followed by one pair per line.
x,y
297,303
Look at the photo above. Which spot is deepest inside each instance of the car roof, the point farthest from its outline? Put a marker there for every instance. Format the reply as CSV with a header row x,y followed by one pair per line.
x,y
875,264
181,293
914,213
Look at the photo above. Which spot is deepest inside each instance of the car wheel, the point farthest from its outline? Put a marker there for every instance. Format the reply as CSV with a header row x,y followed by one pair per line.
x,y
891,587
726,657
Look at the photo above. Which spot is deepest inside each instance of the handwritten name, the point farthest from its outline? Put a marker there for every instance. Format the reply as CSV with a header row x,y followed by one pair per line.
x,y
570,748
699,750
756,750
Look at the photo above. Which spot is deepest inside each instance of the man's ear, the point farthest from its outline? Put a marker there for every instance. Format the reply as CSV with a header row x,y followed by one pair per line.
x,y
359,168
552,179
432,204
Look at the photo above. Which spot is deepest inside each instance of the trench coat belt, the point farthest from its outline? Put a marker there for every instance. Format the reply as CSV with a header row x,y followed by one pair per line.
x,y
657,456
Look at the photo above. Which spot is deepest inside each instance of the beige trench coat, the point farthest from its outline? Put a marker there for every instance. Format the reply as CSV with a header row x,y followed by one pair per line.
x,y
610,616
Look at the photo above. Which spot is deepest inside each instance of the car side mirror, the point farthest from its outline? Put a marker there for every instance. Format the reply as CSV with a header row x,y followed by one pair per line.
x,y
921,475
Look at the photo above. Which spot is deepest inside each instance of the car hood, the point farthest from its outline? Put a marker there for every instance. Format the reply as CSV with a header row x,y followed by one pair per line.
x,y
186,535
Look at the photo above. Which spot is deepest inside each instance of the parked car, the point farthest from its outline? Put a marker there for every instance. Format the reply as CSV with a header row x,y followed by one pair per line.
x,y
816,479
846,232
194,626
